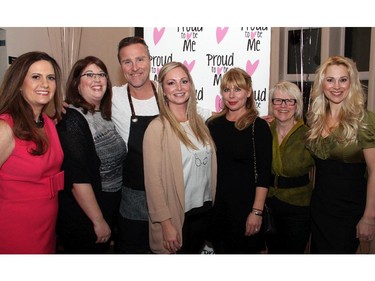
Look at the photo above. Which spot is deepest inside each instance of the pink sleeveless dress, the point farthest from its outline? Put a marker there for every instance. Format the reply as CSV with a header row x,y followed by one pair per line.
x,y
29,188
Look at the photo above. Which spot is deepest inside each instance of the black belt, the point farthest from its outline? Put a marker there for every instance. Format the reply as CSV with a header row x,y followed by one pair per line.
x,y
289,182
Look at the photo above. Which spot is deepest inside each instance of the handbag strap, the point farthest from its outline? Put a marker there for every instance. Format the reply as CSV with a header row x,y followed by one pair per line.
x,y
266,208
255,158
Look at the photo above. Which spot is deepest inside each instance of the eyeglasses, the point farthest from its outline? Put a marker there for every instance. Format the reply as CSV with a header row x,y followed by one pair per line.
x,y
287,101
92,76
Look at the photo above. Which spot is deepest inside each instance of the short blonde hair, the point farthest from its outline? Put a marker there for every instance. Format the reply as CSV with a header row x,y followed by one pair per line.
x,y
292,89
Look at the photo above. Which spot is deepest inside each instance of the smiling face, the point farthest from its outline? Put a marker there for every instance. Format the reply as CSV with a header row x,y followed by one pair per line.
x,y
285,111
92,87
336,83
39,85
135,64
176,87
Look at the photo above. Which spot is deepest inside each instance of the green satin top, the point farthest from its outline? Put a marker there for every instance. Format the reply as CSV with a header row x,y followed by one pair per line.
x,y
352,153
291,159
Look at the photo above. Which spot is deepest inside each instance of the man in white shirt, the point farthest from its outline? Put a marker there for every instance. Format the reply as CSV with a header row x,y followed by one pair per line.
x,y
134,105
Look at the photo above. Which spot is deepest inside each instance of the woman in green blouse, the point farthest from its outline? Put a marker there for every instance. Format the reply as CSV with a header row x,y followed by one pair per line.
x,y
342,140
290,191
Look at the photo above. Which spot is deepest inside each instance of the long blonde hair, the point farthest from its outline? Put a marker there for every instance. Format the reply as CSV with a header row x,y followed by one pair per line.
x,y
196,122
239,78
351,112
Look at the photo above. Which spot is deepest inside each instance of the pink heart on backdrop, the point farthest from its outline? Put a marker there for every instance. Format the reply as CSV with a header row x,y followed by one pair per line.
x,y
218,103
219,69
189,65
220,33
158,34
189,35
251,67
253,34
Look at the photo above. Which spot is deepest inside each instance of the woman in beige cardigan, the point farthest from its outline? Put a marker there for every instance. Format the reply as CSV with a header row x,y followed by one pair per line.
x,y
180,167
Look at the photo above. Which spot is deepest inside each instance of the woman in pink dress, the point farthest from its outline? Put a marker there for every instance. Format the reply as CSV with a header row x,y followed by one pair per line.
x,y
30,155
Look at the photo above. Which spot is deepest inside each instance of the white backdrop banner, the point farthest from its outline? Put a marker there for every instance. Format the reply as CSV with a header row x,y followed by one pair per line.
x,y
209,52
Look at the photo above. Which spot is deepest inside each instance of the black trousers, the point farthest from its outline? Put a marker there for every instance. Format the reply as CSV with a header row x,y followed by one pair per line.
x,y
132,236
196,229
293,228
78,237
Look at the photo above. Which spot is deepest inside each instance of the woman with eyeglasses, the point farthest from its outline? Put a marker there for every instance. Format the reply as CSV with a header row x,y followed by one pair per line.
x,y
94,153
291,185
342,140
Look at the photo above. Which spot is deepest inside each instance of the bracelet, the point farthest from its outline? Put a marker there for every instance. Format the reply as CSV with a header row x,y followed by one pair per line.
x,y
371,224
371,221
257,213
255,209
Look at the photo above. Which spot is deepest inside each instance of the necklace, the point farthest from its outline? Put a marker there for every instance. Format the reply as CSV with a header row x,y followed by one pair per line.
x,y
134,116
288,127
40,122
282,135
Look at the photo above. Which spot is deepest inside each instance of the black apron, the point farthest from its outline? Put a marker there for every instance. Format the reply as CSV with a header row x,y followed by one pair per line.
x,y
133,202
133,174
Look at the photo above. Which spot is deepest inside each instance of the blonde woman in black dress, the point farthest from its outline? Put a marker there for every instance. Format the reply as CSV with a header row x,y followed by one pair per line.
x,y
342,140
239,199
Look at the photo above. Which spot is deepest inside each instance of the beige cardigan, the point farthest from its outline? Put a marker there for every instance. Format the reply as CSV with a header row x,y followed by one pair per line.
x,y
164,180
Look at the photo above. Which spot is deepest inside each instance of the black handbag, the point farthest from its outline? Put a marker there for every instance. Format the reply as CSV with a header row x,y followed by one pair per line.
x,y
268,222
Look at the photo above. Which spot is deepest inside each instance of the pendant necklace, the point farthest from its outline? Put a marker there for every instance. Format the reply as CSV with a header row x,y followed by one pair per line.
x,y
40,122
134,117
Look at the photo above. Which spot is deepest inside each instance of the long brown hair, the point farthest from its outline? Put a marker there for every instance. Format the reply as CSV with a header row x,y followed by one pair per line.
x,y
13,103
